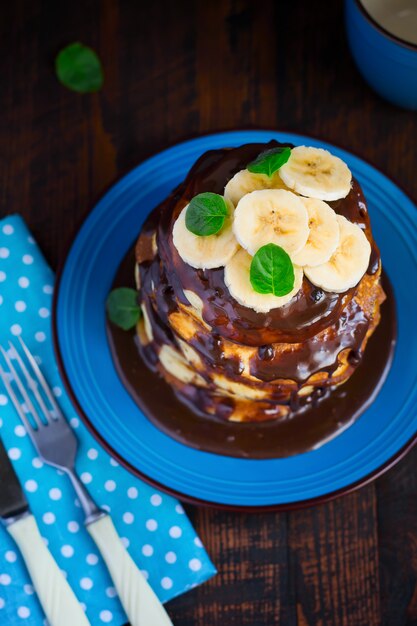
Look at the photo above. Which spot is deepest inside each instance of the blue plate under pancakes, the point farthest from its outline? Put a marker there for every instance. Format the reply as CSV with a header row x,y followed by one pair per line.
x,y
372,443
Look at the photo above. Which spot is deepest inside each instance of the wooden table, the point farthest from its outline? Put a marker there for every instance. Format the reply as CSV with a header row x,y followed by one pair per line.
x,y
174,69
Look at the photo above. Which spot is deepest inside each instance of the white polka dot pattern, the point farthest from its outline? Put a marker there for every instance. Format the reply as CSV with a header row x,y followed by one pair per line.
x,y
166,582
147,550
111,592
20,430
132,493
195,565
10,556
175,532
86,583
86,478
153,526
170,557
67,551
55,493
5,579
23,612
48,518
31,485
23,282
73,527
128,518
92,559
15,454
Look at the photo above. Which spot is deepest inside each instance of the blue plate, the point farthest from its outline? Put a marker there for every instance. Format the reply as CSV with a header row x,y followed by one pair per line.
x,y
381,434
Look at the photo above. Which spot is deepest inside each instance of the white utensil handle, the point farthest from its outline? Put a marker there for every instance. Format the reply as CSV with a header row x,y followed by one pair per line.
x,y
138,599
58,600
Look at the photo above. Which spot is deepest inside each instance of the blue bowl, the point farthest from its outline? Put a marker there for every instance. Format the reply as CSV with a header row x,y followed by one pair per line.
x,y
387,63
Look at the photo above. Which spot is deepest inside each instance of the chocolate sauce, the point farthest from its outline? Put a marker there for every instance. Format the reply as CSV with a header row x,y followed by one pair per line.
x,y
290,343
328,413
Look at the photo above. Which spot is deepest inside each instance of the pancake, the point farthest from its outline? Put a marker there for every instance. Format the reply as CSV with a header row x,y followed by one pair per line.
x,y
224,359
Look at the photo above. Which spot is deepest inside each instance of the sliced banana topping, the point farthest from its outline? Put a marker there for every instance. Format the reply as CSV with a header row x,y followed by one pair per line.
x,y
324,235
174,363
137,276
237,279
287,209
271,216
349,262
204,252
147,323
245,181
316,173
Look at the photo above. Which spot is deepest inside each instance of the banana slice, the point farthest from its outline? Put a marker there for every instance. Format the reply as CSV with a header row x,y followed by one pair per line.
x,y
204,252
147,324
236,277
174,363
347,265
271,216
245,181
324,235
316,173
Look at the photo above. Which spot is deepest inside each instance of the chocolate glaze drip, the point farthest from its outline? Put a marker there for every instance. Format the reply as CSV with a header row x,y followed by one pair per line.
x,y
315,355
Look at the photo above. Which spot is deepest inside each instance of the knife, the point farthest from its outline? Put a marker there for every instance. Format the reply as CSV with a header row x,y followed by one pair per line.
x,y
58,600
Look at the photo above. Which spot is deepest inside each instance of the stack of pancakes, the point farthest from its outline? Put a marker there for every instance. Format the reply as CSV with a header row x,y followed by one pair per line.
x,y
224,359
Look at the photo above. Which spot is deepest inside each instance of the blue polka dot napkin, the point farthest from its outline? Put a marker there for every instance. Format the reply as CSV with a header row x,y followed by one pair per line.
x,y
153,525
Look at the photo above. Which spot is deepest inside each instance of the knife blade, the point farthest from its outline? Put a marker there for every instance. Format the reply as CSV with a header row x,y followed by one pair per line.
x,y
13,501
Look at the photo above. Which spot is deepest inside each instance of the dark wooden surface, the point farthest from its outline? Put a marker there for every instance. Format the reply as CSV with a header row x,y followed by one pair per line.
x,y
173,69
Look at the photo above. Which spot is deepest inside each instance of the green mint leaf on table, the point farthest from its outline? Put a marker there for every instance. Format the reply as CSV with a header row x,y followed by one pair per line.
x,y
270,161
272,271
79,68
206,214
123,308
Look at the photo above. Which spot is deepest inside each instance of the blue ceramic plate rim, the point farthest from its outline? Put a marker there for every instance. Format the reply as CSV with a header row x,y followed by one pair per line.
x,y
208,478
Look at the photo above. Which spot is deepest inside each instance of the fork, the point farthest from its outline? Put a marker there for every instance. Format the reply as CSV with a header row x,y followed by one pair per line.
x,y
57,445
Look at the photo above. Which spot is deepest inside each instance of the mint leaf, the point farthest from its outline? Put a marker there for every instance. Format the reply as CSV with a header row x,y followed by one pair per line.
x,y
79,68
270,161
206,214
272,271
123,308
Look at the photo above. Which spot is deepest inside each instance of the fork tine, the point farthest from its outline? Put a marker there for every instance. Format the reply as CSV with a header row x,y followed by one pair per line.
x,y
22,390
41,378
31,383
15,401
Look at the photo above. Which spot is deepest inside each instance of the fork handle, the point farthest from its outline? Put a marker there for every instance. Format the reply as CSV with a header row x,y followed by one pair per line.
x,y
58,600
138,599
